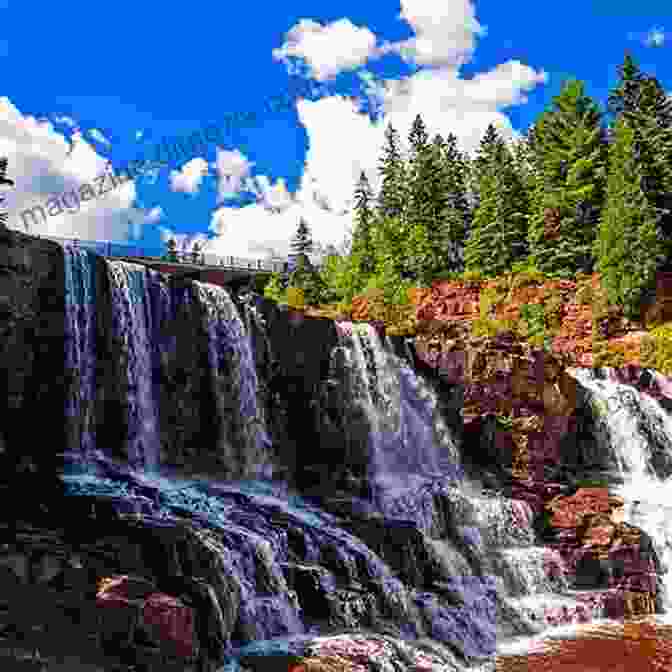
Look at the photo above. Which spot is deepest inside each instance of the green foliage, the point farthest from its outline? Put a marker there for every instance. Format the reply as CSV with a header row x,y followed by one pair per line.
x,y
535,320
338,278
392,198
570,155
487,326
498,234
553,304
489,299
592,483
647,352
471,278
628,249
504,422
276,289
302,243
625,97
306,278
525,273
584,291
362,241
656,350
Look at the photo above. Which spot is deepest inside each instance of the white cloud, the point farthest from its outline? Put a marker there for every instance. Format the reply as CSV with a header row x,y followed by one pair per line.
x,y
99,137
327,49
273,197
45,165
188,179
444,40
444,32
655,38
138,135
231,169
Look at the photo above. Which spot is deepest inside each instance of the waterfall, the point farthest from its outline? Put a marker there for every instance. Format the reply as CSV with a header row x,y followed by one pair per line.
x,y
80,355
637,432
409,441
242,436
133,328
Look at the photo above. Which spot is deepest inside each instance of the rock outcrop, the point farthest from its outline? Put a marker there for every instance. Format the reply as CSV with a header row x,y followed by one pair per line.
x,y
32,346
601,552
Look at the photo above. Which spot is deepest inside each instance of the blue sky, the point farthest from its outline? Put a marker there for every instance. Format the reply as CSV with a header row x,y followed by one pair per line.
x,y
85,85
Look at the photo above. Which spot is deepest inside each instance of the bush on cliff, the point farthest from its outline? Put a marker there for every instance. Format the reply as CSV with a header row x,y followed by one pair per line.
x,y
656,350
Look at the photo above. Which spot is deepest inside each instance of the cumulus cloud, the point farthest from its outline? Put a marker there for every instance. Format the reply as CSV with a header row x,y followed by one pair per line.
x,y
273,197
99,137
51,174
444,39
189,178
326,49
444,32
231,170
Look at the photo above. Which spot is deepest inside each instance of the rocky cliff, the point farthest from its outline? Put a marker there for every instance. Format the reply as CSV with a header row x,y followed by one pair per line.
x,y
172,573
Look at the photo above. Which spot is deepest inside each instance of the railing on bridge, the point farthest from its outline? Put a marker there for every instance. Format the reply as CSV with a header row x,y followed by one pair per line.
x,y
110,249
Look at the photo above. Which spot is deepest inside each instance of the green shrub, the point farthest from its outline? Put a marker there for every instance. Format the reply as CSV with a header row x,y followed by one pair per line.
x,y
553,310
535,319
489,299
504,421
486,326
647,351
471,278
452,276
275,289
592,483
659,349
584,291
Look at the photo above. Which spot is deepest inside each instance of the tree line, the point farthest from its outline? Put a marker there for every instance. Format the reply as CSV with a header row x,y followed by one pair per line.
x,y
574,194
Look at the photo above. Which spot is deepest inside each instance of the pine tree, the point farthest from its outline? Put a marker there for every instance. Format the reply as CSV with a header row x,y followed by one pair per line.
x,y
642,101
652,124
570,151
498,236
628,250
362,244
456,213
302,243
305,276
625,97
392,196
426,204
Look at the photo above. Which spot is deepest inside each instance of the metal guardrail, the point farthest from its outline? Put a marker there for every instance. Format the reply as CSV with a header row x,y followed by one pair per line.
x,y
110,249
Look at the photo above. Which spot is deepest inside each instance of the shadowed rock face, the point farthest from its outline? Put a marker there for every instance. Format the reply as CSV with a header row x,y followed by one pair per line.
x,y
32,345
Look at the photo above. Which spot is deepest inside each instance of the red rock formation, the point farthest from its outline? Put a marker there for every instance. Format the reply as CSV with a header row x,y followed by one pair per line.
x,y
131,604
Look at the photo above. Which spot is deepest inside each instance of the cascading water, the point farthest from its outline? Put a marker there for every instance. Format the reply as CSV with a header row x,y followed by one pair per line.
x,y
409,440
80,308
133,328
414,464
484,546
242,434
636,432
